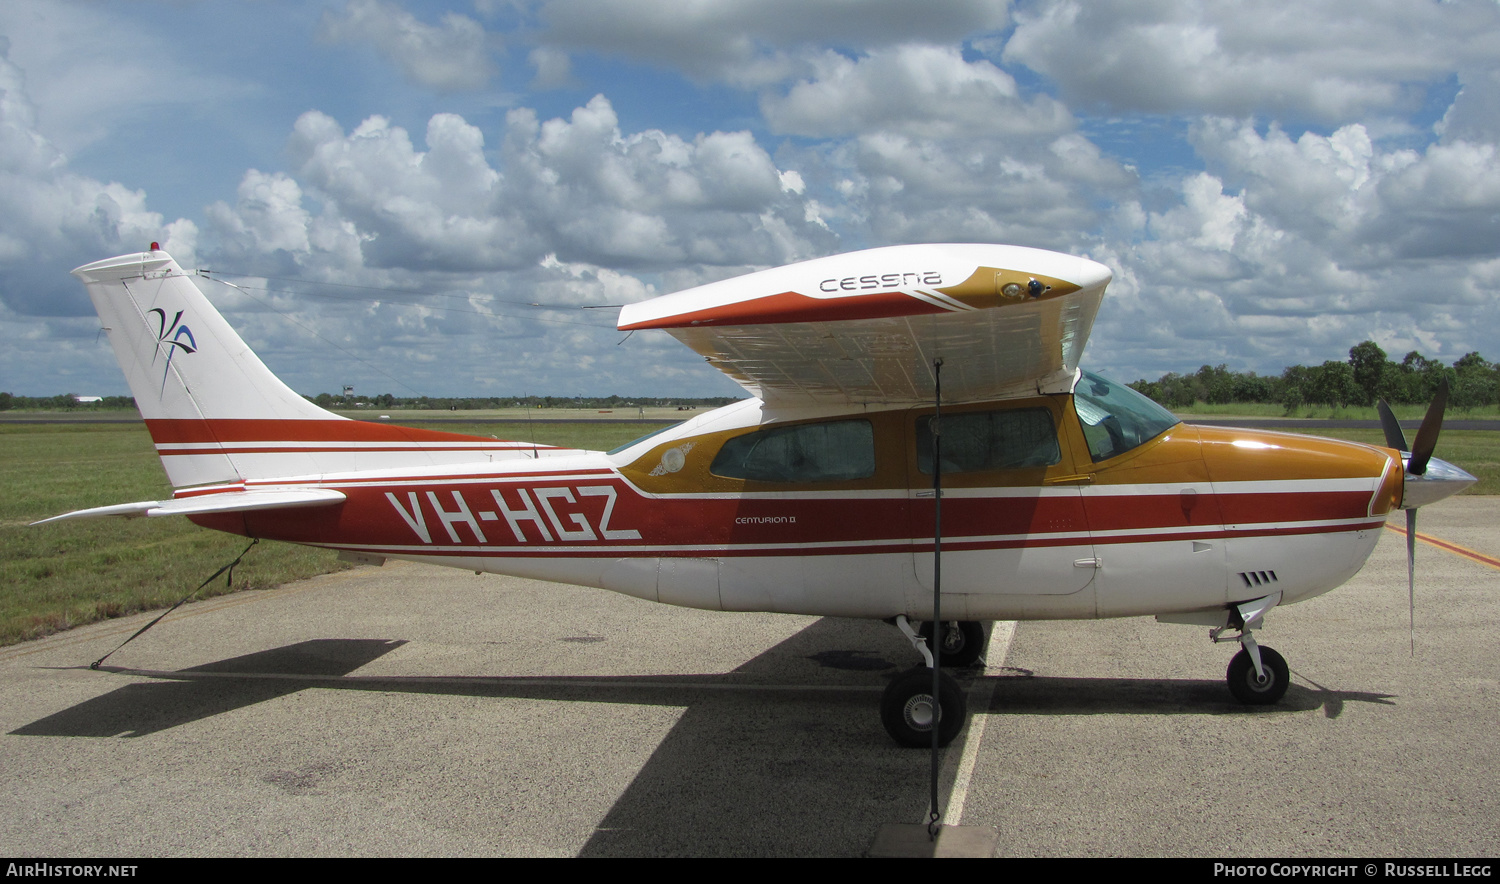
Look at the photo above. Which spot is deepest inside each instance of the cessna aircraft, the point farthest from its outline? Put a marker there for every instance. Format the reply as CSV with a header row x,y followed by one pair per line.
x,y
889,386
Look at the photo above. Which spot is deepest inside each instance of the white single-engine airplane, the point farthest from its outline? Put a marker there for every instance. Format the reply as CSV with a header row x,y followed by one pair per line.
x,y
1063,494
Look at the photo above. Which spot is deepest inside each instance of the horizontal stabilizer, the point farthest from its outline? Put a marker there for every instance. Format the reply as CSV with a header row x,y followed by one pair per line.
x,y
226,502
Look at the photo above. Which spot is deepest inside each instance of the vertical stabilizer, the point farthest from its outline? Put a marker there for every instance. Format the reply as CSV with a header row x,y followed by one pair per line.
x,y
216,413
187,368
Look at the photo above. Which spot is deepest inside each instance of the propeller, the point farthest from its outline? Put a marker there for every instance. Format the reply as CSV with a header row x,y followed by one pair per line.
x,y
1427,480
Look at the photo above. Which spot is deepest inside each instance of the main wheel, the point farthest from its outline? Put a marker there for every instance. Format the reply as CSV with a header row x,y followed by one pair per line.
x,y
1253,690
908,712
963,642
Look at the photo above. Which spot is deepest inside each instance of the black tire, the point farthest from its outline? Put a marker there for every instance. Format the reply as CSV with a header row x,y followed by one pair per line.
x,y
1249,689
963,644
906,708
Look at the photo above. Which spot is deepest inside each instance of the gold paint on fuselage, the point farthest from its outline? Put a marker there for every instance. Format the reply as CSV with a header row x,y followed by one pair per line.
x,y
1185,454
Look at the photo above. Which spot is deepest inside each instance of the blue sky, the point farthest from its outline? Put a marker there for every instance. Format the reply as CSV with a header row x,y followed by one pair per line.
x,y
393,184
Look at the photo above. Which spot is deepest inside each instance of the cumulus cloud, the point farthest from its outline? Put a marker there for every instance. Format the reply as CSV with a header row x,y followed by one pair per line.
x,y
757,42
1292,250
578,188
450,56
554,69
50,216
928,147
1331,61
1367,205
126,72
53,219
1475,112
1301,186
268,217
923,90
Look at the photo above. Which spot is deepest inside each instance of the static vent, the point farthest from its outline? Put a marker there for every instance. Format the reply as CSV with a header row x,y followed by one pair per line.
x,y
1258,578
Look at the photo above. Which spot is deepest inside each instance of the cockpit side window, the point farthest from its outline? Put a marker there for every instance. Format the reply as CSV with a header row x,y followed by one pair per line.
x,y
1015,439
822,452
1115,418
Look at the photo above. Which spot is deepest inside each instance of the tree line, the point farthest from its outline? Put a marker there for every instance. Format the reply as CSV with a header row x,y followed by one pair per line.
x,y
1368,375
64,402
1473,382
469,403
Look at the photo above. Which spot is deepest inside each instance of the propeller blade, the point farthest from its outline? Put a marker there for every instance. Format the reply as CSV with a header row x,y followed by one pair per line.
x,y
1411,576
1427,436
1394,438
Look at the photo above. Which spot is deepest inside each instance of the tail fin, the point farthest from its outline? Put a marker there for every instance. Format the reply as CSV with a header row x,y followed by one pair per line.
x,y
215,412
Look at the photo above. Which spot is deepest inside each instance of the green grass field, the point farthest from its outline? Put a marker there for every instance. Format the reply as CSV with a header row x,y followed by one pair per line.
x,y
53,577
66,574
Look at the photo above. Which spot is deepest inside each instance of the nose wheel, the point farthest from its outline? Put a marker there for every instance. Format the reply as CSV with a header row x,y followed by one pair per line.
x,y
1258,689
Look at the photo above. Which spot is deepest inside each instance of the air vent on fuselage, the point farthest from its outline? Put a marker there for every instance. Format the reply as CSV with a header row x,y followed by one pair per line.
x,y
1258,578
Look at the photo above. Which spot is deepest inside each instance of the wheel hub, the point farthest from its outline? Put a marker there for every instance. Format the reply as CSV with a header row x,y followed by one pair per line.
x,y
919,712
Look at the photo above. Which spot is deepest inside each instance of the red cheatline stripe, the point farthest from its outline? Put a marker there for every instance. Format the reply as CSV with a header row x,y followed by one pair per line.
x,y
408,449
797,307
1467,553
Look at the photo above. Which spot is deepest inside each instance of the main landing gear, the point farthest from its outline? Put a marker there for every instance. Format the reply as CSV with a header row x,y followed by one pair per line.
x,y
1257,676
963,642
908,709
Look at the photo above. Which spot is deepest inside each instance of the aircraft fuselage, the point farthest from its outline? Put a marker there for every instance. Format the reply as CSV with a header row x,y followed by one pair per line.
x,y
1192,520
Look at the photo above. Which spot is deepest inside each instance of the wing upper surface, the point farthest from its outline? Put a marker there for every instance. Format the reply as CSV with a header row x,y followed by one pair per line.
x,y
866,327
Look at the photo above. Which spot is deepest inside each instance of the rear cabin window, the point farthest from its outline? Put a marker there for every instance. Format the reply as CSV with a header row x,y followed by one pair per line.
x,y
1015,439
827,452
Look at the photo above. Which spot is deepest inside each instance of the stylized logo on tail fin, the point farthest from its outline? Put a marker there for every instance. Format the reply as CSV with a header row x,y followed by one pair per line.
x,y
177,333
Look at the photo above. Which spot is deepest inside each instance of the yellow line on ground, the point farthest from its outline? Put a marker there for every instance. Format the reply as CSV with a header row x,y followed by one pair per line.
x,y
1464,551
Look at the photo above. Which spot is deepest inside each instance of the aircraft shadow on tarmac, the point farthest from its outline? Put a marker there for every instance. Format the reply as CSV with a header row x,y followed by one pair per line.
x,y
771,768
1053,695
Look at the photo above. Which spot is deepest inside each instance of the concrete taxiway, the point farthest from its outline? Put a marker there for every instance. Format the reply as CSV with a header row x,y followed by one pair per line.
x,y
414,711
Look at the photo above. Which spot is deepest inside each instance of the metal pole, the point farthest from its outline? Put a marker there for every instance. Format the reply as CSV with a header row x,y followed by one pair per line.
x,y
934,812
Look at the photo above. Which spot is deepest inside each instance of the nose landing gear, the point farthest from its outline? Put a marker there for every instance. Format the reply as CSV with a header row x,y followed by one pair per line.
x,y
1257,676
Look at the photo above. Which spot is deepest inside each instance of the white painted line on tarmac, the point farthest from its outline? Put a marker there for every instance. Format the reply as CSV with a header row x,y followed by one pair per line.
x,y
1001,635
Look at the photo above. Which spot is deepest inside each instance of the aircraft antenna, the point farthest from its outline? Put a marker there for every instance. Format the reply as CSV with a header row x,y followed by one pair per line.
x,y
531,430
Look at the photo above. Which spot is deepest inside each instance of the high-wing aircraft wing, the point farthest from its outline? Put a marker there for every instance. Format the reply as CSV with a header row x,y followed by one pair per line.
x,y
866,327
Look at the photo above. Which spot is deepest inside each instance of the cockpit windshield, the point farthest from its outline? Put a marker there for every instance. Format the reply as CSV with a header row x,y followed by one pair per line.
x,y
1116,418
